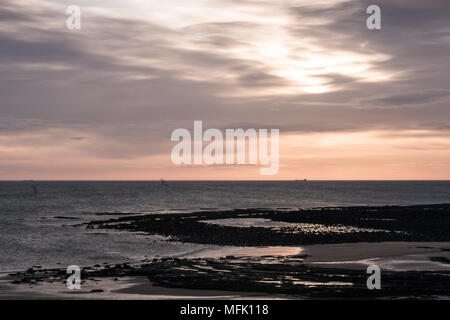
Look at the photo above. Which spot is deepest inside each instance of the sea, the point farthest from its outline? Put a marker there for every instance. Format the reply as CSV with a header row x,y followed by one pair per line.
x,y
40,220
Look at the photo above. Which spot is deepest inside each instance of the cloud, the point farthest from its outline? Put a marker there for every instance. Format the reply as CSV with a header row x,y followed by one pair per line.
x,y
138,70
413,98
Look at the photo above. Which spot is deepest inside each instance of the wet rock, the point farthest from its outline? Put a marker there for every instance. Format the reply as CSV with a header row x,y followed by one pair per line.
x,y
96,290
440,259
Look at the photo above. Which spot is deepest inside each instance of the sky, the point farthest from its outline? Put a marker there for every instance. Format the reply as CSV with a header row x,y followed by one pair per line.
x,y
100,103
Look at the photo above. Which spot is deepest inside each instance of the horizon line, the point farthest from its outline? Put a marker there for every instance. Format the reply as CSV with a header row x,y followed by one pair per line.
x,y
218,180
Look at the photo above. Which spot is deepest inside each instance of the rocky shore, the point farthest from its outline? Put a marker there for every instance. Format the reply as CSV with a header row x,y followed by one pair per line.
x,y
271,275
308,226
292,275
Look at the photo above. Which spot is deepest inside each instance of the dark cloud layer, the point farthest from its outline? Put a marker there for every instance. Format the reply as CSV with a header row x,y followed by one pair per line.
x,y
413,98
131,82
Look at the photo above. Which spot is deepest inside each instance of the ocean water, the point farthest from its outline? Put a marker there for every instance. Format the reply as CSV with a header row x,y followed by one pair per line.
x,y
37,224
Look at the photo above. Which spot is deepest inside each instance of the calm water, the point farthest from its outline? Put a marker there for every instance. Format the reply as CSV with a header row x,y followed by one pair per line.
x,y
32,231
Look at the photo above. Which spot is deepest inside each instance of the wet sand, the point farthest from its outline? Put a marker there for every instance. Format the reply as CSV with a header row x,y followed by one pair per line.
x,y
392,256
317,271
136,288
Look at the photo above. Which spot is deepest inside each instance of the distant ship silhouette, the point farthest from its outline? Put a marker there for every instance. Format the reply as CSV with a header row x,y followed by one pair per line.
x,y
33,186
164,183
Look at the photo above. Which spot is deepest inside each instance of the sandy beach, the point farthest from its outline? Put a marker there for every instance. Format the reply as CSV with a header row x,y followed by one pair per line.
x,y
392,256
275,254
